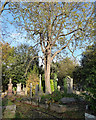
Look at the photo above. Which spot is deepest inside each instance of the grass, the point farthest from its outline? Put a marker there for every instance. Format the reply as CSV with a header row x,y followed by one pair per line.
x,y
56,96
6,102
28,111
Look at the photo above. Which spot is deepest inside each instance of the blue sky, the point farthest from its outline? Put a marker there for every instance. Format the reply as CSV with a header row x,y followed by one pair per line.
x,y
16,37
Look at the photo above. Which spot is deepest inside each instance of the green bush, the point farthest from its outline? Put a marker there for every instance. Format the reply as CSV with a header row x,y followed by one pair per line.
x,y
65,85
52,85
56,96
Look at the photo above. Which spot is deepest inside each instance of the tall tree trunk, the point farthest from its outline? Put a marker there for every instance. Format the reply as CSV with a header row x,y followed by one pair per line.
x,y
47,72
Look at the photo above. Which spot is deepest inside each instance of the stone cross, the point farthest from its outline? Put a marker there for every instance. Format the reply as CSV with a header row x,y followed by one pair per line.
x,y
31,90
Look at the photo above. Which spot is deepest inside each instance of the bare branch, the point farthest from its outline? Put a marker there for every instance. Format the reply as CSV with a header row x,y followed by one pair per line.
x,y
2,9
61,48
35,31
70,32
71,51
41,43
57,35
30,63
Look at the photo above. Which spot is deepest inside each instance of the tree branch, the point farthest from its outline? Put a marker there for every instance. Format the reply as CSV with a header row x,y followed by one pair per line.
x,y
60,28
41,43
35,31
71,32
2,9
30,63
61,48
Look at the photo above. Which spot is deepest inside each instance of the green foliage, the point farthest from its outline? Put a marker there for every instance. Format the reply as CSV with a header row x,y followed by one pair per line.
x,y
56,96
6,102
45,24
15,62
86,73
52,85
55,85
32,78
65,85
65,68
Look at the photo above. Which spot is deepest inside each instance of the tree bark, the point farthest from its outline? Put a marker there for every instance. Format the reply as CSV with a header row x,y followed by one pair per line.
x,y
47,72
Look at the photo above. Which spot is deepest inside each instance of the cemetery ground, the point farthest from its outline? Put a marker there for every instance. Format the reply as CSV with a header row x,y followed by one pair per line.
x,y
25,107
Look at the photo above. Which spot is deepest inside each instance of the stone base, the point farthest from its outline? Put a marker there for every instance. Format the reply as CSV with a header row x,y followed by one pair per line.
x,y
10,93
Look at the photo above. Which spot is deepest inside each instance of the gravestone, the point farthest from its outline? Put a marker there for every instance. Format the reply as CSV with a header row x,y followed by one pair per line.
x,y
10,87
36,90
67,99
25,91
18,88
31,90
23,88
69,81
40,84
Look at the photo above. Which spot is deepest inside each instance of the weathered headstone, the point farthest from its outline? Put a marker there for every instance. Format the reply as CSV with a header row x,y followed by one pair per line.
x,y
10,87
40,84
31,90
69,81
58,88
36,89
26,91
18,88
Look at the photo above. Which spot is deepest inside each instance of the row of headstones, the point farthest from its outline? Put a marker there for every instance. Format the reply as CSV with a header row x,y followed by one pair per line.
x,y
68,86
19,91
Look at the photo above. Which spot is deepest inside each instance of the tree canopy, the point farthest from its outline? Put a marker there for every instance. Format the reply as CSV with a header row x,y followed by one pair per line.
x,y
85,75
15,62
55,27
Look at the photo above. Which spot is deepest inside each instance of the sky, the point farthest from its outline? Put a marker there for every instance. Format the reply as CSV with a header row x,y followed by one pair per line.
x,y
15,37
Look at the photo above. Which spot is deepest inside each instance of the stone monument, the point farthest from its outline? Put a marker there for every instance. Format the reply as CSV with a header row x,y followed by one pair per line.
x,y
26,91
23,88
40,84
18,88
69,84
10,87
36,90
